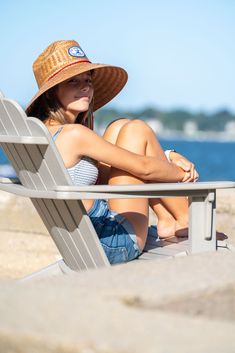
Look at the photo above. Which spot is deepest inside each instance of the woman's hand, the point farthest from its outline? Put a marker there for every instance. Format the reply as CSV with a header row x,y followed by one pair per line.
x,y
191,175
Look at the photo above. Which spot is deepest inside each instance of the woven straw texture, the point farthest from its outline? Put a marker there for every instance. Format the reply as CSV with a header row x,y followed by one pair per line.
x,y
56,64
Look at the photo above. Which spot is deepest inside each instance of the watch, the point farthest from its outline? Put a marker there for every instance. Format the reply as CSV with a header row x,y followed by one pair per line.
x,y
167,154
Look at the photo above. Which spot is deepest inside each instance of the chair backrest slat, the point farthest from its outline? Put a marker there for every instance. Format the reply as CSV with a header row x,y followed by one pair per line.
x,y
13,126
85,227
6,125
74,234
48,157
12,153
48,213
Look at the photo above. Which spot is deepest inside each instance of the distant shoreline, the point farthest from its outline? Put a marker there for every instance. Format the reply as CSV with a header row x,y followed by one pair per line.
x,y
198,137
204,136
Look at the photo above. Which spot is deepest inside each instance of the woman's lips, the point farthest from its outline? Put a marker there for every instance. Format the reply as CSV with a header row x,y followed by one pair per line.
x,y
83,97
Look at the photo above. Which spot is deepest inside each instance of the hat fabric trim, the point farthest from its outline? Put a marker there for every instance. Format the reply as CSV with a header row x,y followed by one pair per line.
x,y
75,63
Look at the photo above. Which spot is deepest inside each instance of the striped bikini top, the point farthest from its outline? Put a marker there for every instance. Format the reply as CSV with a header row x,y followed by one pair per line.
x,y
85,172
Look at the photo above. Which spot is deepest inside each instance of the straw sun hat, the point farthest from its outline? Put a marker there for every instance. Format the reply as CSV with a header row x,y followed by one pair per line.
x,y
64,59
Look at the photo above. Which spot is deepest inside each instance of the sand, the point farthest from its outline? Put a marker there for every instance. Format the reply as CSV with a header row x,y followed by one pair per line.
x,y
144,306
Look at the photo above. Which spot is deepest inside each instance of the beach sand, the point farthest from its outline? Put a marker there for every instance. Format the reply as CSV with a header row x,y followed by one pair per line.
x,y
25,245
168,306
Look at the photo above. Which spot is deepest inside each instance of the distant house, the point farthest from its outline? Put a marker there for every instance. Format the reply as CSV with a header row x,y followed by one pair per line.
x,y
230,128
190,128
156,125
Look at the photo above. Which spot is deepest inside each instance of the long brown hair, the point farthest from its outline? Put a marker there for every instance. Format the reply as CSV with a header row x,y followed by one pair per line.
x,y
48,107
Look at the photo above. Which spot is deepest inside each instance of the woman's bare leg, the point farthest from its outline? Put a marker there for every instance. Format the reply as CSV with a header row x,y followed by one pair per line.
x,y
110,135
172,212
178,206
167,224
135,210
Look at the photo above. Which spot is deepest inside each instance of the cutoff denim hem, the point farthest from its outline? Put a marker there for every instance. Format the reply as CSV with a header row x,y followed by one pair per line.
x,y
115,233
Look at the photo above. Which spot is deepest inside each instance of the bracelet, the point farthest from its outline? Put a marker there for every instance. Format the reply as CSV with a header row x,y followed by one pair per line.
x,y
167,154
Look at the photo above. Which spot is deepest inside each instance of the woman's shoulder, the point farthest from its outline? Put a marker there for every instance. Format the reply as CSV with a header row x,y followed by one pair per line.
x,y
76,133
75,129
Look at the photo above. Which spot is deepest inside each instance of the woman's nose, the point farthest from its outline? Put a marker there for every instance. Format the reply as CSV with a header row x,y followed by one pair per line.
x,y
85,87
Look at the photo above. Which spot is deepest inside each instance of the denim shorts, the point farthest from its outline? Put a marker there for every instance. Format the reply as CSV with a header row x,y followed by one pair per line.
x,y
116,234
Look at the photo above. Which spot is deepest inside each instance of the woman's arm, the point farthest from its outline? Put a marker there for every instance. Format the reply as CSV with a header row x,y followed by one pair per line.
x,y
79,141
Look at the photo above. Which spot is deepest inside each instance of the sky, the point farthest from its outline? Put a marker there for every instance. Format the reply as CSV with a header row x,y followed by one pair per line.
x,y
179,54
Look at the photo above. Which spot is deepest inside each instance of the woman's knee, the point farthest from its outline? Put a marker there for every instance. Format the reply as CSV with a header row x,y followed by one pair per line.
x,y
117,124
113,129
137,127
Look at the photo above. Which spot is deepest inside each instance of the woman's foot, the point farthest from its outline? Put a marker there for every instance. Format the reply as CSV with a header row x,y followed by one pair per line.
x,y
171,228
166,228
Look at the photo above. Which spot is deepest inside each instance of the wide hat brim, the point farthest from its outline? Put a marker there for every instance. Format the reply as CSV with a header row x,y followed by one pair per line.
x,y
107,81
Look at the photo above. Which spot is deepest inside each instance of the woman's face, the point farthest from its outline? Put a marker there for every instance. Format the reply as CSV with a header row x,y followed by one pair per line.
x,y
75,94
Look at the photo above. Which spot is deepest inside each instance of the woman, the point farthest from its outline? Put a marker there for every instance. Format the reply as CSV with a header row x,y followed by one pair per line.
x,y
70,89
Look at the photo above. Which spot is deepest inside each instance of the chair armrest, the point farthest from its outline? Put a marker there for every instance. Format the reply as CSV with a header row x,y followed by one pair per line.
x,y
144,190
73,192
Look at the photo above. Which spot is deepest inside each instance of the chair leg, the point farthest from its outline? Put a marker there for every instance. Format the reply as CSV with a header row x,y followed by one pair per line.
x,y
202,228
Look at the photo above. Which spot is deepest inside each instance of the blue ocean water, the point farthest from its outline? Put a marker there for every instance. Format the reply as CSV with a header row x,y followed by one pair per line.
x,y
213,160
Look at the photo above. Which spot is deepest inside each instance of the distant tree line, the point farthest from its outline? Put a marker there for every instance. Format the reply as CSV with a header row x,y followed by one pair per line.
x,y
173,120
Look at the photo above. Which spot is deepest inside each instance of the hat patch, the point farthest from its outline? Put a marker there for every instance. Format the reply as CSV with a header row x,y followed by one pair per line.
x,y
76,51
